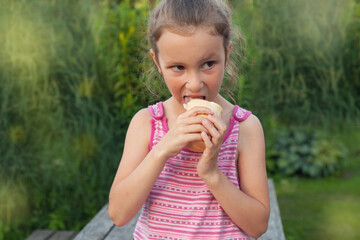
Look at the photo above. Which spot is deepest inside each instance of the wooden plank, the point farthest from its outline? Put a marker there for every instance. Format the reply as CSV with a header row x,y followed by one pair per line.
x,y
124,232
275,229
98,227
40,234
63,235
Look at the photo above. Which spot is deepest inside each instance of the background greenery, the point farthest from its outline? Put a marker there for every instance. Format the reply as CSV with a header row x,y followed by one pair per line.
x,y
72,74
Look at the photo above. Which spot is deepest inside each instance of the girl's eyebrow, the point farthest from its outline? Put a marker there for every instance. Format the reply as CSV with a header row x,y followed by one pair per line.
x,y
174,63
211,56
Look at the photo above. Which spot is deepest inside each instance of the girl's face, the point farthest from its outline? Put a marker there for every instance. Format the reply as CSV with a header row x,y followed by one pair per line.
x,y
192,65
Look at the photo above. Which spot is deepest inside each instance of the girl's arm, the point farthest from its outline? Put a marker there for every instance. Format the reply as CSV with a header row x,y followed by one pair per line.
x,y
139,168
137,172
249,207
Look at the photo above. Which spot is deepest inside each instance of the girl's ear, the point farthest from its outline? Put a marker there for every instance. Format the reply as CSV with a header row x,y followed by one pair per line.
x,y
152,53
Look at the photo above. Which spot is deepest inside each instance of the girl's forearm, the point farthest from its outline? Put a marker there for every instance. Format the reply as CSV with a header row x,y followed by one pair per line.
x,y
246,212
127,196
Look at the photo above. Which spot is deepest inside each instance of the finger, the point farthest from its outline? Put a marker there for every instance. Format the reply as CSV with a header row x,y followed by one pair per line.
x,y
187,138
194,128
205,137
191,137
192,120
190,124
214,133
218,123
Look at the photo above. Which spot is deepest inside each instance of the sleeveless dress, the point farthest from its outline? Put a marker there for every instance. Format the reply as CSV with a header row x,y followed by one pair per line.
x,y
180,205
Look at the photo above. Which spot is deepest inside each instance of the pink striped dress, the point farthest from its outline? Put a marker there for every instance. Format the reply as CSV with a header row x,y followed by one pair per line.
x,y
180,205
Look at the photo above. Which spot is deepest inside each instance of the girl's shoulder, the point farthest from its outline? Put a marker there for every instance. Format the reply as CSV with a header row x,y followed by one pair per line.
x,y
250,122
141,120
138,134
241,114
142,115
250,126
250,131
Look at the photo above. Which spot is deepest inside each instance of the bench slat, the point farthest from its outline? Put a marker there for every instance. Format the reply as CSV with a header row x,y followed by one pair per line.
x,y
125,232
63,235
275,229
98,227
40,234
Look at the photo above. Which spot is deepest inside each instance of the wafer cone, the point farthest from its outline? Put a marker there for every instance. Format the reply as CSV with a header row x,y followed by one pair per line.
x,y
199,146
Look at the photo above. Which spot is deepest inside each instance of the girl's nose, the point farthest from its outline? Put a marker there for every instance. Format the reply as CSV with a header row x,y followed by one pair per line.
x,y
194,82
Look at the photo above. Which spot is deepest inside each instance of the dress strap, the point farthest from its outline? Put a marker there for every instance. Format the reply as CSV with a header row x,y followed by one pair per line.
x,y
241,114
158,122
157,111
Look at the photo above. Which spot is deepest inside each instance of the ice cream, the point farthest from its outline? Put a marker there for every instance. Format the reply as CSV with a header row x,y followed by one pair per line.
x,y
203,103
199,146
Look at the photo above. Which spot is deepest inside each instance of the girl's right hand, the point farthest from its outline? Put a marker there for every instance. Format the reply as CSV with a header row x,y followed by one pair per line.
x,y
186,129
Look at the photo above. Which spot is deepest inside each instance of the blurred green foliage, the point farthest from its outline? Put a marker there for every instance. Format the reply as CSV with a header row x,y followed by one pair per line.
x,y
68,89
305,152
121,46
304,58
73,73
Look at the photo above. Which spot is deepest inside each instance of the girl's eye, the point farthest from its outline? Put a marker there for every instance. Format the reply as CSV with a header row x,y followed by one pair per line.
x,y
208,65
177,68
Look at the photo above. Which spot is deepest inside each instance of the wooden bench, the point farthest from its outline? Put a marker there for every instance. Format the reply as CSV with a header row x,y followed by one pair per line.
x,y
43,234
102,228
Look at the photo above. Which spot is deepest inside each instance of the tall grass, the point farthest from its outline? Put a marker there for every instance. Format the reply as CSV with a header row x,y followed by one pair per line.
x,y
301,55
62,104
302,67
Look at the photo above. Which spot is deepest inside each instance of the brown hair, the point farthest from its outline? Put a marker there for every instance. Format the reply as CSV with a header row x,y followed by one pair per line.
x,y
185,16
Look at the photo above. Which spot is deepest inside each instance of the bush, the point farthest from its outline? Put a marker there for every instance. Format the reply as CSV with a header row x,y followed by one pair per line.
x,y
304,152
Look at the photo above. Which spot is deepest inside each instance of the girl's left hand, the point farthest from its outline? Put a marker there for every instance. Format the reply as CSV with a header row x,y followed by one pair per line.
x,y
207,165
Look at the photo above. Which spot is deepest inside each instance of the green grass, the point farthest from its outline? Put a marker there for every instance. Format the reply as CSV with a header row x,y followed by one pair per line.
x,y
320,208
327,208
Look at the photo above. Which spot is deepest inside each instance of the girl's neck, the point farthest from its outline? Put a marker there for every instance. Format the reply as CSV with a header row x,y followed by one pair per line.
x,y
173,107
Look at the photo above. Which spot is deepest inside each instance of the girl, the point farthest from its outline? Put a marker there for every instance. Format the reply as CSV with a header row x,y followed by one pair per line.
x,y
221,193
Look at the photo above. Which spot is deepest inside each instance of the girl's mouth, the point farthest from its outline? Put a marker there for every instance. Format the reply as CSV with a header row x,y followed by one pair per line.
x,y
188,98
